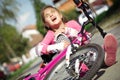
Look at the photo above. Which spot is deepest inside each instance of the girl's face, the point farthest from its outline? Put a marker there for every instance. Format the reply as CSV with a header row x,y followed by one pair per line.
x,y
52,18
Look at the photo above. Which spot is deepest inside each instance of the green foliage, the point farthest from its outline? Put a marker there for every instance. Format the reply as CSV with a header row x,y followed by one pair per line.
x,y
38,5
72,14
100,17
11,43
8,10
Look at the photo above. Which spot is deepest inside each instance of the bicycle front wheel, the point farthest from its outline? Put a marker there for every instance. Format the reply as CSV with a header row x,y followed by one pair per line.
x,y
59,72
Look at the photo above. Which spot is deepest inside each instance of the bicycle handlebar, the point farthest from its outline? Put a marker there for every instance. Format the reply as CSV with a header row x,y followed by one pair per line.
x,y
84,6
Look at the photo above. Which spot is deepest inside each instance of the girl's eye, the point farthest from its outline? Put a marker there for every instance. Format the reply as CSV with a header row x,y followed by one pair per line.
x,y
46,15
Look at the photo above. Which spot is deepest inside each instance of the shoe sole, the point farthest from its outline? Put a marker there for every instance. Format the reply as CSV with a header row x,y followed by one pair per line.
x,y
110,46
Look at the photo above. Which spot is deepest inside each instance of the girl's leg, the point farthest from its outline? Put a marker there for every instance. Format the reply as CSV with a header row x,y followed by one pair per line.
x,y
110,47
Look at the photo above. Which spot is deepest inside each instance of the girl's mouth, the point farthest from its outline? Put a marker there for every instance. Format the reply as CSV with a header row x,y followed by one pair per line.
x,y
53,19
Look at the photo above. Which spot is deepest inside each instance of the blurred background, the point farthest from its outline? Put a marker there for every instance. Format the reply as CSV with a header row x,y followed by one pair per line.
x,y
21,28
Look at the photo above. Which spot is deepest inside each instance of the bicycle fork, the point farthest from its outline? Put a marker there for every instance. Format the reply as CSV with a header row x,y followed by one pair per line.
x,y
77,62
68,52
78,65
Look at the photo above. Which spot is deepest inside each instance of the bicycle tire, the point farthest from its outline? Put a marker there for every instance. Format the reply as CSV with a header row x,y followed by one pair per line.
x,y
89,74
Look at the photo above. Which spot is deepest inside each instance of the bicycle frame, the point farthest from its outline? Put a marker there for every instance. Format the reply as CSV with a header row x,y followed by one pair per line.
x,y
40,75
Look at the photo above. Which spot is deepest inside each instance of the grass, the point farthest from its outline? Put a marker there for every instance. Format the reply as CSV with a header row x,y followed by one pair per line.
x,y
20,71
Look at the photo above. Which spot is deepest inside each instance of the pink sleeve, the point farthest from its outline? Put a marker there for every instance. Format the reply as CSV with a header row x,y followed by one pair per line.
x,y
48,39
74,24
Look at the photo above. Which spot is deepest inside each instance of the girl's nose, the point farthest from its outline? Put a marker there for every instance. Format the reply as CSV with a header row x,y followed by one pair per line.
x,y
51,15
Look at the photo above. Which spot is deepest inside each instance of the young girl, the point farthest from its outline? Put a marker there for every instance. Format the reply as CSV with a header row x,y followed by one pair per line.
x,y
55,25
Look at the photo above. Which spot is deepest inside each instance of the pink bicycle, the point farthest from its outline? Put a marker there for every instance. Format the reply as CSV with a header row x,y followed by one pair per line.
x,y
79,61
84,62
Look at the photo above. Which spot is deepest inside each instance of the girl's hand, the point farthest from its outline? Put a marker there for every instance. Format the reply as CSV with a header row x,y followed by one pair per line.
x,y
66,43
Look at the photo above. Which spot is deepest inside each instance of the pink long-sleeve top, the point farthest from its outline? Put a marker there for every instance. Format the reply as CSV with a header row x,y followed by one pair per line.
x,y
49,37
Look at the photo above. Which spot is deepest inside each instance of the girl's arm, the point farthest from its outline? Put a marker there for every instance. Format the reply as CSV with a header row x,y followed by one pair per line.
x,y
41,48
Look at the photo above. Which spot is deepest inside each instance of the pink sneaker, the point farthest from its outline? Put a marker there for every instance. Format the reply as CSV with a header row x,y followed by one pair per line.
x,y
110,46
